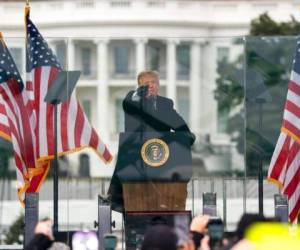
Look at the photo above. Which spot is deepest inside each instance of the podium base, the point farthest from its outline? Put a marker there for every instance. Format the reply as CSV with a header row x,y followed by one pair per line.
x,y
137,223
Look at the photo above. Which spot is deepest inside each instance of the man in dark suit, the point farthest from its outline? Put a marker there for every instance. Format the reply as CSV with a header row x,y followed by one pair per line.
x,y
146,111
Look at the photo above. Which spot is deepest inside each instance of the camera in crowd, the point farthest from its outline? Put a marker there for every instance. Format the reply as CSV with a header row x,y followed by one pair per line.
x,y
110,242
215,230
85,240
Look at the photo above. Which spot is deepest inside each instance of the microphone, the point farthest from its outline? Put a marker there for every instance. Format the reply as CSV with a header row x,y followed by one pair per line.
x,y
141,92
155,103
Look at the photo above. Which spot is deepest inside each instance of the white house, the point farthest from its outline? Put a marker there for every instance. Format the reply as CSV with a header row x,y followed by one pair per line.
x,y
111,40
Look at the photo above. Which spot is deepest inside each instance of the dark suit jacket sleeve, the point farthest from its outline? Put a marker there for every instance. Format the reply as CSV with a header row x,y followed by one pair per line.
x,y
175,121
130,106
166,118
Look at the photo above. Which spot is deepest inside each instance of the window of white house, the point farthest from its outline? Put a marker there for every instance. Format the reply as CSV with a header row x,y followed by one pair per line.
x,y
17,55
61,51
183,61
121,58
222,124
184,108
156,57
222,53
86,61
86,105
223,113
119,118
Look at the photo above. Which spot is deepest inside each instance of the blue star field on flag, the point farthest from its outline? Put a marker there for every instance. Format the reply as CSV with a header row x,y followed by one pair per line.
x,y
38,51
8,68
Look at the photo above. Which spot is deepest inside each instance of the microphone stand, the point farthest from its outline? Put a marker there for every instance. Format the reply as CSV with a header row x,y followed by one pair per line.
x,y
60,91
143,93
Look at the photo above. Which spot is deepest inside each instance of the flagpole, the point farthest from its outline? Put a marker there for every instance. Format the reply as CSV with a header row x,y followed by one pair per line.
x,y
54,163
1,39
61,89
55,173
260,102
31,199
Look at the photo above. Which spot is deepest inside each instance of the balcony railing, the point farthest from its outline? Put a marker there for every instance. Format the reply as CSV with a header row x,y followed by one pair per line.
x,y
217,5
120,3
85,3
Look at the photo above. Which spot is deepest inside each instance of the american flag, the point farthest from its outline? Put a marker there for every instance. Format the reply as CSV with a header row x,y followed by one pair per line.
x,y
17,124
74,129
285,164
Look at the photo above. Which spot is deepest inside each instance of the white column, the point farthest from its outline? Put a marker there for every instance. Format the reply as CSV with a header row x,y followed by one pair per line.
x,y
70,54
171,69
209,75
140,54
102,89
209,114
195,86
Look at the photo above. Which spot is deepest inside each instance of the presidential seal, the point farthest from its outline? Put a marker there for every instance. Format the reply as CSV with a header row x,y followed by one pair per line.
x,y
155,152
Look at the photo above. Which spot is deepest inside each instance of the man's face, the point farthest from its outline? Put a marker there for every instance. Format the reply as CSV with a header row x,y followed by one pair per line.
x,y
152,82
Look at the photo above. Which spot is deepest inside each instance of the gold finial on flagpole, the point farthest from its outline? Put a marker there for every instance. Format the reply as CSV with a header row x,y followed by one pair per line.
x,y
1,39
27,9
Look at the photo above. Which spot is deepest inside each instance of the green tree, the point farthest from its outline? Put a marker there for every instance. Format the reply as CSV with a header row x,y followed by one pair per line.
x,y
264,25
4,157
5,154
15,231
264,70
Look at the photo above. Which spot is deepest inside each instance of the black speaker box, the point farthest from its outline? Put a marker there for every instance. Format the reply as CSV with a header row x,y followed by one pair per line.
x,y
137,223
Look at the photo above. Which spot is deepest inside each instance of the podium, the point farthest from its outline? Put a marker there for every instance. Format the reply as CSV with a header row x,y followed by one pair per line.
x,y
152,171
151,176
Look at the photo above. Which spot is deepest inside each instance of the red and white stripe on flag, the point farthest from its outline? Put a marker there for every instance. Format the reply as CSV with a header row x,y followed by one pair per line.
x,y
4,125
74,131
16,125
32,137
285,164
